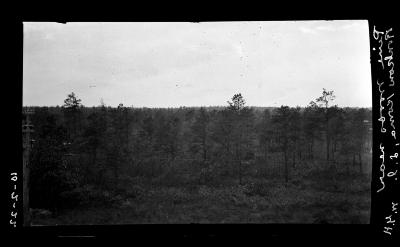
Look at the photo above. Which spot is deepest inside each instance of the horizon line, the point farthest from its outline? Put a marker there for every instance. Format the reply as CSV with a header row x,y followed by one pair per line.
x,y
177,107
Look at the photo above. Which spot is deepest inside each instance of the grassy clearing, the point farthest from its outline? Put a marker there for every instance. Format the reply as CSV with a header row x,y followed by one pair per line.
x,y
310,197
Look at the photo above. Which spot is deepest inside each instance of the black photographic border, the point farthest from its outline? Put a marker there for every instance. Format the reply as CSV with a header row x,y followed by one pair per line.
x,y
377,14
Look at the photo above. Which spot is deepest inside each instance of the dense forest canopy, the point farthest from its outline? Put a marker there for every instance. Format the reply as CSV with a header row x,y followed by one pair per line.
x,y
87,155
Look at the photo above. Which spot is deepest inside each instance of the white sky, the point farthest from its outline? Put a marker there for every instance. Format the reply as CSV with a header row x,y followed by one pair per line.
x,y
196,64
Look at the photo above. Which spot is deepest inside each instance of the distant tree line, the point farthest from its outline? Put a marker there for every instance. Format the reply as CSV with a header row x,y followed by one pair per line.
x,y
81,152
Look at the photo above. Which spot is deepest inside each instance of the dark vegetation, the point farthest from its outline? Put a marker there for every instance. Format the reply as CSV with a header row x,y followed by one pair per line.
x,y
233,164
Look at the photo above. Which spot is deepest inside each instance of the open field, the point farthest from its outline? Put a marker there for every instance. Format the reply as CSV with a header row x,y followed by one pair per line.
x,y
317,197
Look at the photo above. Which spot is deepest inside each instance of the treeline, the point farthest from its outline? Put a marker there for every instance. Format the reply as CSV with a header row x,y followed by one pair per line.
x,y
86,155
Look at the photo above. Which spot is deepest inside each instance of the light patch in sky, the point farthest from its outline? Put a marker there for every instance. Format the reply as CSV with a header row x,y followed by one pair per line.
x,y
197,64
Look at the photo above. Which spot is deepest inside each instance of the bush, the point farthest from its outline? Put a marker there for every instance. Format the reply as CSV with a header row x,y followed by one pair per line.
x,y
135,191
205,191
257,189
90,195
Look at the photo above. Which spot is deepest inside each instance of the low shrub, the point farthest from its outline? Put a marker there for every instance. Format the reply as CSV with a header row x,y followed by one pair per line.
x,y
256,188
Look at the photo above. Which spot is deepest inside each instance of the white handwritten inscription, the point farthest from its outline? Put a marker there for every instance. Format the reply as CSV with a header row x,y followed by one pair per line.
x,y
390,220
387,37
389,58
390,112
14,198
385,60
382,167
381,99
376,37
